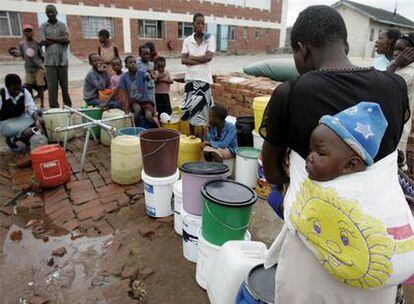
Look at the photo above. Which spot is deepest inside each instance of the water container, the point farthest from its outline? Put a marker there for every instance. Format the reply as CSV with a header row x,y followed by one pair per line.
x,y
50,166
194,176
126,161
160,151
245,126
230,163
258,287
246,166
184,126
191,225
95,113
54,120
257,140
233,262
173,123
158,194
207,253
259,106
37,139
178,201
133,131
117,124
227,208
190,150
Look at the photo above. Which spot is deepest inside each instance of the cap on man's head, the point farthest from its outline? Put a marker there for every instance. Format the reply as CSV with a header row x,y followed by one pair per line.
x,y
361,127
28,27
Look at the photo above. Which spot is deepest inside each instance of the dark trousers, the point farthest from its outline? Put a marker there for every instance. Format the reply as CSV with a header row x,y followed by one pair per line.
x,y
57,75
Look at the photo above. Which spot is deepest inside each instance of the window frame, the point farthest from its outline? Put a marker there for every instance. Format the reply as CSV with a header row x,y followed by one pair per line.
x,y
159,27
19,18
372,34
258,32
232,32
245,32
267,31
87,19
182,25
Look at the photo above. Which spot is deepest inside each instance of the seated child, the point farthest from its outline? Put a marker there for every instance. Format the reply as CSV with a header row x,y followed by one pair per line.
x,y
117,69
97,80
146,64
134,85
163,82
221,137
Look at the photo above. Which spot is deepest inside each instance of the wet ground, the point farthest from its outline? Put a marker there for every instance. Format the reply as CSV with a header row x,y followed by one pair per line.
x,y
109,242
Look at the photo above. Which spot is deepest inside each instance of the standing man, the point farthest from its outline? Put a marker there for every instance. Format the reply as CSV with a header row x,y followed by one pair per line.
x,y
54,35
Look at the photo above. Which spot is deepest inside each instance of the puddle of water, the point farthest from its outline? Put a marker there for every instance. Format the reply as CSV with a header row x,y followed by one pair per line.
x,y
25,261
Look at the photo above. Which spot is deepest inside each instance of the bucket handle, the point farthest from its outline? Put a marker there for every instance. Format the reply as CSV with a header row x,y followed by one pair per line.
x,y
155,151
224,224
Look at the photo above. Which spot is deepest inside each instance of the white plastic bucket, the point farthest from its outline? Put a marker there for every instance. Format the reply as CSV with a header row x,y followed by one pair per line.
x,y
230,164
158,194
207,253
191,225
178,200
257,140
246,166
233,262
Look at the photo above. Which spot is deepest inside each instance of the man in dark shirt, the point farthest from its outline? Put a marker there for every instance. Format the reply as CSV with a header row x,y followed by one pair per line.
x,y
54,35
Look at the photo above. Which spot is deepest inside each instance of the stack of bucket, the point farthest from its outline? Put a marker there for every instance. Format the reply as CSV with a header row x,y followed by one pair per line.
x,y
159,148
227,208
259,106
194,176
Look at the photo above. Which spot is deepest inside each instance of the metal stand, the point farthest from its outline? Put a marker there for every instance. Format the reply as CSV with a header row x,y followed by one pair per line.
x,y
88,126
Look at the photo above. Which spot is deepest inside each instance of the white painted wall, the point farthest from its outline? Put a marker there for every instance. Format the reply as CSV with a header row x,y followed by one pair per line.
x,y
358,31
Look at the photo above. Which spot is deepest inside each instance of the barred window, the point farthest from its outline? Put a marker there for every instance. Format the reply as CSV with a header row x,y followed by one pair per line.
x,y
245,32
10,24
257,33
232,33
185,29
92,25
150,29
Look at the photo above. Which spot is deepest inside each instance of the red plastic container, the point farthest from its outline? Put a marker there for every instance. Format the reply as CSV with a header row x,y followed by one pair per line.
x,y
50,166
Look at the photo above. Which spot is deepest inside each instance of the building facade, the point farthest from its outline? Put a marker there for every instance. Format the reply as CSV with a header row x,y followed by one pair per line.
x,y
240,26
364,23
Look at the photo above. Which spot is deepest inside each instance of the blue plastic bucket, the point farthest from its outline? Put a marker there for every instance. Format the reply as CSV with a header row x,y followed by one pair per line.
x,y
130,131
258,287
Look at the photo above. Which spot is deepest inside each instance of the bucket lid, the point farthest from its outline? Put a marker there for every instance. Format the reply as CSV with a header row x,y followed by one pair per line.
x,y
260,283
245,119
228,193
248,152
205,168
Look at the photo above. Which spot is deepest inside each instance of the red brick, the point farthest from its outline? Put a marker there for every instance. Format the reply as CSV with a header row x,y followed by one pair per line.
x,y
79,198
30,202
95,213
78,185
66,210
103,227
91,204
123,201
98,182
110,207
64,218
71,225
52,207
111,197
55,196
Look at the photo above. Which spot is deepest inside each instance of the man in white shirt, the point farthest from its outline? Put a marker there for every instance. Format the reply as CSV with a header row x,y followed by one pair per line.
x,y
17,112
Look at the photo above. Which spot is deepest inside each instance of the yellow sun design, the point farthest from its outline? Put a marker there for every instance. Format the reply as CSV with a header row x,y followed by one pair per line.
x,y
354,248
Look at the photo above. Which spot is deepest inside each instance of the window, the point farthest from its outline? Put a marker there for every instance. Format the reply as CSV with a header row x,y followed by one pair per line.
x,y
267,32
92,25
150,29
232,33
245,32
371,35
185,29
10,24
257,33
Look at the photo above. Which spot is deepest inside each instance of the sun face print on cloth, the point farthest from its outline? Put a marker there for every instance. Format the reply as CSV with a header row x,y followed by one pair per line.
x,y
353,247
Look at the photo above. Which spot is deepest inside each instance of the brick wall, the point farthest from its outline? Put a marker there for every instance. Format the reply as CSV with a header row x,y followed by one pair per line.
x,y
6,42
237,98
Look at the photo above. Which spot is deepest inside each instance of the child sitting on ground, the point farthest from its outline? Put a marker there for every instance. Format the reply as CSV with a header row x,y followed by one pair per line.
x,y
163,82
145,64
133,84
97,80
117,69
221,137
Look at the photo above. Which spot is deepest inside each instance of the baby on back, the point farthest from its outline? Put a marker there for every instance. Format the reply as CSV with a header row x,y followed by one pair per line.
x,y
345,143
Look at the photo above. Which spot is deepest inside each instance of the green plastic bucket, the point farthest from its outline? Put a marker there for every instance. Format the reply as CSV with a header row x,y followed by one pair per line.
x,y
227,208
96,114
